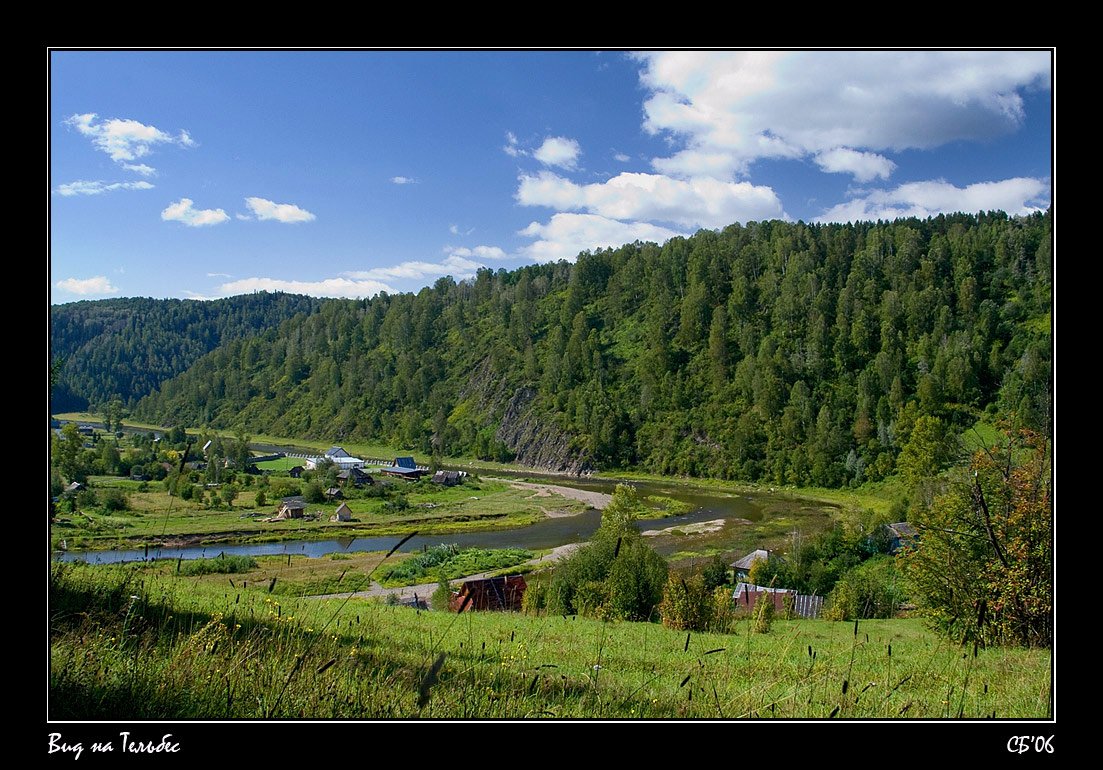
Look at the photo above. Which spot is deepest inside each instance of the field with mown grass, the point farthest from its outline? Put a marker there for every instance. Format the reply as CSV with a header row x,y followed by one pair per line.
x,y
156,517
129,643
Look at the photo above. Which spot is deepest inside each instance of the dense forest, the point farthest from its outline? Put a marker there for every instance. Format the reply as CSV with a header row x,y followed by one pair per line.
x,y
794,353
125,348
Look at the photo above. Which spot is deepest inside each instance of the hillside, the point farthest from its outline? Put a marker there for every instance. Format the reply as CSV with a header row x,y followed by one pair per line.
x,y
781,351
125,348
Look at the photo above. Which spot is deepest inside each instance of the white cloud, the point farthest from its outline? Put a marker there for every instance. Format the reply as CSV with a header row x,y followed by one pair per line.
x,y
85,187
511,147
184,211
243,217
455,230
728,109
865,166
699,202
478,252
454,265
403,180
140,168
565,235
95,285
1018,196
329,287
219,275
558,151
288,213
621,157
125,139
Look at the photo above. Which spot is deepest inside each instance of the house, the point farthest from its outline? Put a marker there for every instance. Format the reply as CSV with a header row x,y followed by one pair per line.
x,y
292,508
344,513
296,472
354,476
403,468
901,534
499,593
86,430
335,451
804,605
742,567
334,493
447,478
73,488
336,455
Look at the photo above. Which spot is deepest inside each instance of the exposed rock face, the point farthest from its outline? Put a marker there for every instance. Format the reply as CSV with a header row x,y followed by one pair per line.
x,y
534,438
536,441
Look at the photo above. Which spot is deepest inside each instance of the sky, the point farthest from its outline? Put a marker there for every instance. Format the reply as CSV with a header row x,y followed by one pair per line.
x,y
204,174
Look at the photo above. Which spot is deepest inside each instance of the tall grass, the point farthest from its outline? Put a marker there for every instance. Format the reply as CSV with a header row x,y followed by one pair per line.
x,y
130,645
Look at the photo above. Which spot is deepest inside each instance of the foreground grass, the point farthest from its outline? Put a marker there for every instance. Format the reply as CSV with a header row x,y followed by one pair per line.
x,y
128,644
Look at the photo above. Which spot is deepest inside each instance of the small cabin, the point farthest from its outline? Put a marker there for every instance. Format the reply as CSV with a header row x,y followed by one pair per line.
x,y
344,513
292,508
499,593
447,478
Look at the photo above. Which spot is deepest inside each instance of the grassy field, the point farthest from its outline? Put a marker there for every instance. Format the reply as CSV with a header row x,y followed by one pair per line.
x,y
128,643
156,517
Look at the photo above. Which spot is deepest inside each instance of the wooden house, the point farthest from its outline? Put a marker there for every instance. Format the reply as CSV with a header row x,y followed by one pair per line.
x,y
901,534
334,493
746,597
403,468
742,567
447,478
354,476
296,472
292,508
499,593
344,513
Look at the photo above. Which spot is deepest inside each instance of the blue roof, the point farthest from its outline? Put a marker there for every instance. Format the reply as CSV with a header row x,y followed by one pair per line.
x,y
405,462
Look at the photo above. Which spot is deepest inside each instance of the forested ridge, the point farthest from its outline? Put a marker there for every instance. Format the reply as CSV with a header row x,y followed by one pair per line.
x,y
780,351
125,348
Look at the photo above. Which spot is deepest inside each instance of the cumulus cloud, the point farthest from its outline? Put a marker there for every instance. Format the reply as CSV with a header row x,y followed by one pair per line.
x,y
558,151
86,187
403,180
124,139
565,235
329,287
697,202
184,211
1018,196
454,265
95,285
865,166
288,213
728,109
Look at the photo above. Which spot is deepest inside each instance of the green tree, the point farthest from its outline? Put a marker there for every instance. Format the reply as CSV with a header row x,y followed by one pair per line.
x,y
982,569
927,450
229,494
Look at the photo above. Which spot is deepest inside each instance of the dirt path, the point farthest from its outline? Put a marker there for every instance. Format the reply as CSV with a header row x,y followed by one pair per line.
x,y
424,590
596,500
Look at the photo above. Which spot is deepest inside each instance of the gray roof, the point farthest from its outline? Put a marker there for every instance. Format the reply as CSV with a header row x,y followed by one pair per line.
x,y
749,559
336,451
295,501
902,529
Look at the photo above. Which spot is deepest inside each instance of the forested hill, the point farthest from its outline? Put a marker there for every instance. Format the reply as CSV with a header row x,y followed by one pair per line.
x,y
789,352
125,348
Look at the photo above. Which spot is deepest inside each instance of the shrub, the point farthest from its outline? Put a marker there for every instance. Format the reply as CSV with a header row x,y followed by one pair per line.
x,y
723,611
314,492
442,596
763,613
115,500
221,564
687,603
715,573
867,591
261,499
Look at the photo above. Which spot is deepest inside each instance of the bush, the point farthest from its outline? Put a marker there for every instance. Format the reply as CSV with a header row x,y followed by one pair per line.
x,y
442,596
687,603
867,591
763,613
723,611
115,500
314,492
715,573
221,564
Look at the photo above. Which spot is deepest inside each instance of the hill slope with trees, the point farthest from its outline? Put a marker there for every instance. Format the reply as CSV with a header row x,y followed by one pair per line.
x,y
789,352
125,348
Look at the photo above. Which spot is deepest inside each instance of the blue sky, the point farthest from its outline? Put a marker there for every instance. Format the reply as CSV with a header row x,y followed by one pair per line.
x,y
336,173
